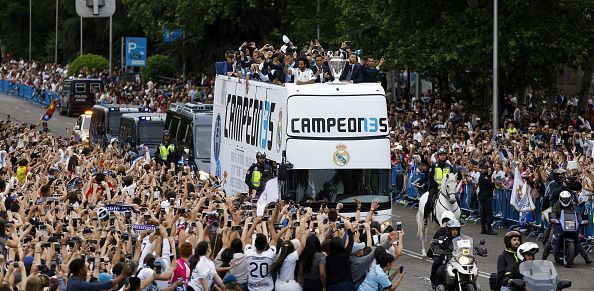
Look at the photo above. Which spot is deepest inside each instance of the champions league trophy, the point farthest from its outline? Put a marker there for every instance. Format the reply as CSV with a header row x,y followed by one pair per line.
x,y
336,64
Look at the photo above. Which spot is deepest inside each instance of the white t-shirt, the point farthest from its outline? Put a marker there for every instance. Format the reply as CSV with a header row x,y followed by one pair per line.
x,y
239,268
287,271
259,278
304,76
205,269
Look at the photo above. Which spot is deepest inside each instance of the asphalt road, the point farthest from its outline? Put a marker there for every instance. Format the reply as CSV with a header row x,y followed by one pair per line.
x,y
416,267
24,111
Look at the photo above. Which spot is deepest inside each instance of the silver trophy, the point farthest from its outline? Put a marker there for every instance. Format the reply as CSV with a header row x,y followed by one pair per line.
x,y
336,64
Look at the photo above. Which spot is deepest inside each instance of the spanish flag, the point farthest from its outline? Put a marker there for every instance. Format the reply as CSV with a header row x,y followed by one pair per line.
x,y
50,110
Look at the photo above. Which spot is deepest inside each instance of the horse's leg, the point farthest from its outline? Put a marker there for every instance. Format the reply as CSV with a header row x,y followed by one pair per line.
x,y
421,227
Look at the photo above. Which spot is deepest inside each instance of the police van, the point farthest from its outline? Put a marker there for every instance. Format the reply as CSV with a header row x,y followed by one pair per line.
x,y
334,135
141,129
105,121
78,95
190,128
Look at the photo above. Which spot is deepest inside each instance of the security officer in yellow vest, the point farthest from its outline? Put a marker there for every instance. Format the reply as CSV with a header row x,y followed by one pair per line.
x,y
435,178
257,175
167,151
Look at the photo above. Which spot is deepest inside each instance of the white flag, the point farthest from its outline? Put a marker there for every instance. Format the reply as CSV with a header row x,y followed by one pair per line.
x,y
521,199
269,195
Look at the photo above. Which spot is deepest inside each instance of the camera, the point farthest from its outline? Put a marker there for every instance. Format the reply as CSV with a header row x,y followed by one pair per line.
x,y
399,226
236,228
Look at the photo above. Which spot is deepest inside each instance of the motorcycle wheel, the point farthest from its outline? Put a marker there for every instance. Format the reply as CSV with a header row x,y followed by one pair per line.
x,y
468,287
569,255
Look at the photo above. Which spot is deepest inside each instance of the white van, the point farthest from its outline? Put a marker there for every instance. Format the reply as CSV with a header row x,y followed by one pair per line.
x,y
334,135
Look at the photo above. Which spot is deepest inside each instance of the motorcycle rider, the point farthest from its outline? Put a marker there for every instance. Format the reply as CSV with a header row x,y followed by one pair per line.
x,y
552,191
257,175
565,202
446,216
445,243
527,251
508,262
439,170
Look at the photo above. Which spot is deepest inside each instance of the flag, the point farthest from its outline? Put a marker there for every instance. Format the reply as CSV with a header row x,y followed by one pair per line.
x,y
50,110
269,195
521,199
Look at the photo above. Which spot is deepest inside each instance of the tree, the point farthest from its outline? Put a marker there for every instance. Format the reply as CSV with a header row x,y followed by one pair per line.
x,y
158,66
90,62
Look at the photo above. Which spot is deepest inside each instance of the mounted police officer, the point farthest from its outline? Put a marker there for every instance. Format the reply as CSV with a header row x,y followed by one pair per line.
x,y
167,151
439,170
257,175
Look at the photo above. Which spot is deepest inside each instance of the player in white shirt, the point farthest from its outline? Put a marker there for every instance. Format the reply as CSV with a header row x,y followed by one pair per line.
x,y
259,258
304,75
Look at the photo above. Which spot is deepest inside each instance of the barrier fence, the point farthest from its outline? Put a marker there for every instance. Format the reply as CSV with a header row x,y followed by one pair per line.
x,y
505,215
26,92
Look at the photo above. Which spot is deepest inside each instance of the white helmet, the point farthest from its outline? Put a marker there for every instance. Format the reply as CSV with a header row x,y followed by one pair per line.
x,y
446,215
565,198
102,213
527,247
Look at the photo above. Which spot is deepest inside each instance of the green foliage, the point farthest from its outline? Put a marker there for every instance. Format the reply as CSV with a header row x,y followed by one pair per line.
x,y
158,66
92,63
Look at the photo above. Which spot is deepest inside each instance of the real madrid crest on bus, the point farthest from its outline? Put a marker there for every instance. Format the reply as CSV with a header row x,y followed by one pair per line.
x,y
341,157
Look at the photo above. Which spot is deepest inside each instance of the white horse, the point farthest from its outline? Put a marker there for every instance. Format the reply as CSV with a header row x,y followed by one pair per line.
x,y
446,201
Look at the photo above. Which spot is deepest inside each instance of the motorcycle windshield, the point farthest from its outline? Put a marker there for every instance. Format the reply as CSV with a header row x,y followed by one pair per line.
x,y
538,273
568,220
462,246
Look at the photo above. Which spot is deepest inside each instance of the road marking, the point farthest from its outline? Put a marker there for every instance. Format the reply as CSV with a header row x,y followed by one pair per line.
x,y
423,258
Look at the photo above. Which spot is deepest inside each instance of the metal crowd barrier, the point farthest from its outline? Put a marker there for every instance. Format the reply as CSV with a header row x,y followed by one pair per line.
x,y
26,92
504,214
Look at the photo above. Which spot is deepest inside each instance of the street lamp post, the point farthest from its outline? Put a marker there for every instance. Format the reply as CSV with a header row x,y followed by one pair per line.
x,y
495,71
56,44
30,9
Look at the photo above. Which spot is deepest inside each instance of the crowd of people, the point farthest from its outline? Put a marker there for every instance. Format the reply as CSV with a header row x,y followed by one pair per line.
x,y
80,218
543,154
118,87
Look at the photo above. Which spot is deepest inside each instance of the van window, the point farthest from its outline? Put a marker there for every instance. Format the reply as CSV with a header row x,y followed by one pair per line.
x,y
95,86
78,123
80,88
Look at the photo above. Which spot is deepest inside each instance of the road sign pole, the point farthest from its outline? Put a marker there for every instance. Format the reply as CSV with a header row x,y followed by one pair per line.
x,y
81,37
110,43
495,71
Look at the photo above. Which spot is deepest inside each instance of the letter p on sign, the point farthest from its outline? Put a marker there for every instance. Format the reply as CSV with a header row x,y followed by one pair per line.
x,y
131,46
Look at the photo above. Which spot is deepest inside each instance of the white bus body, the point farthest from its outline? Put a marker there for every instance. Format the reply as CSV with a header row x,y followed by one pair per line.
x,y
335,135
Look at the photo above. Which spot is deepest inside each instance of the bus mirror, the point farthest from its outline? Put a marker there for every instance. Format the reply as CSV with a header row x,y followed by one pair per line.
x,y
283,170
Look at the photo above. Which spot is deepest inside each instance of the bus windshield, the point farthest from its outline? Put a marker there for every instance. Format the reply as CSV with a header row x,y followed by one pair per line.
x,y
150,132
338,185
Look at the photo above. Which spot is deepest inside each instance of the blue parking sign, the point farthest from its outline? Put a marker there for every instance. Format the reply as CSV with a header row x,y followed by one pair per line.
x,y
135,51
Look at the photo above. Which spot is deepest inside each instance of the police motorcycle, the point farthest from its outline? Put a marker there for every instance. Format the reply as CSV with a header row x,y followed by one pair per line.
x,y
461,270
539,275
565,241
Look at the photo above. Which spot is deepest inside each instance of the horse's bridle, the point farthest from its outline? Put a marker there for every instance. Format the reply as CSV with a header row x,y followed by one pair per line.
x,y
446,195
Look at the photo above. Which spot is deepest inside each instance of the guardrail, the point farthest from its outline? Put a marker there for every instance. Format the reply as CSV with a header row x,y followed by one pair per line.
x,y
26,92
505,215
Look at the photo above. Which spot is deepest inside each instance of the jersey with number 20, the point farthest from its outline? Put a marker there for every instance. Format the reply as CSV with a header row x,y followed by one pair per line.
x,y
259,278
